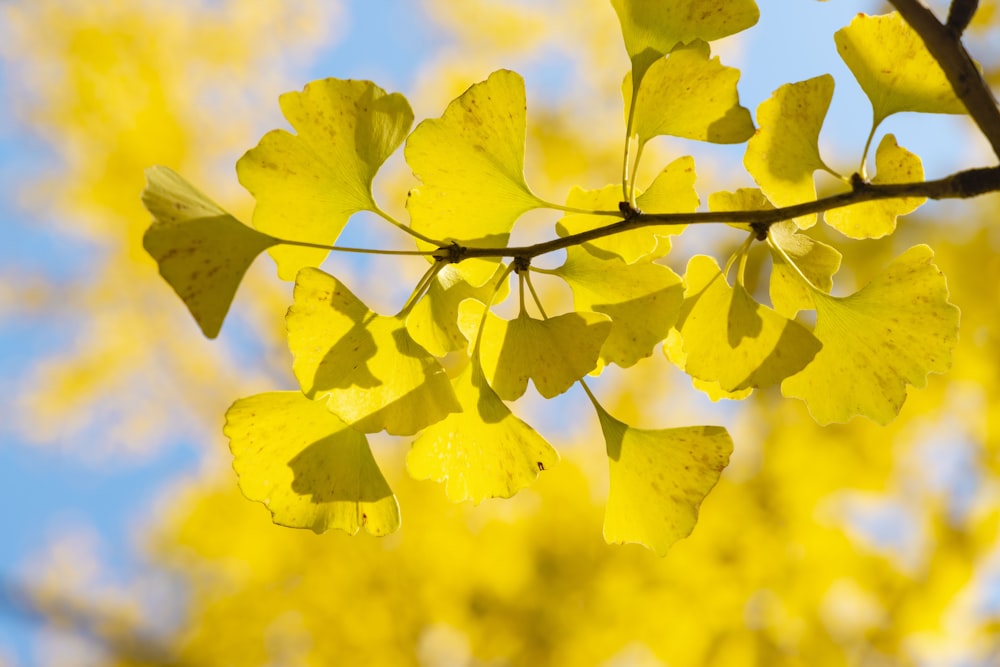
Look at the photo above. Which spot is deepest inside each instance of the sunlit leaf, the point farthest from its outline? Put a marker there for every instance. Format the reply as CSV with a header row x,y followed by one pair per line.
x,y
659,479
731,339
875,219
673,350
310,469
202,250
369,370
433,322
651,28
484,451
742,199
894,68
471,164
892,333
672,191
642,300
784,153
308,184
554,353
817,261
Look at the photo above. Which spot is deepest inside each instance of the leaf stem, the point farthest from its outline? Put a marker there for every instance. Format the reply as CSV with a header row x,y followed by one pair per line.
x,y
628,141
781,251
365,251
421,289
486,311
534,295
406,229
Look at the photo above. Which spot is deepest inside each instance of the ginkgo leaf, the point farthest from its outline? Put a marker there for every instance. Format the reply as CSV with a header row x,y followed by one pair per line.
x,y
875,219
673,350
484,451
894,68
310,469
372,374
471,164
642,300
433,322
202,250
651,28
742,199
691,95
659,479
554,353
308,184
816,260
784,153
731,339
892,333
672,191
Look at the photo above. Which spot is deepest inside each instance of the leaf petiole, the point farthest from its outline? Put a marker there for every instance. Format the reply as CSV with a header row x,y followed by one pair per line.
x,y
781,251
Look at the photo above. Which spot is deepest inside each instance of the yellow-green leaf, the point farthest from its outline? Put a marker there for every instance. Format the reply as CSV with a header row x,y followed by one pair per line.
x,y
310,469
308,184
672,191
817,261
484,451
369,369
691,95
673,350
553,353
202,250
731,339
659,479
894,68
892,333
784,153
642,300
651,28
875,219
471,164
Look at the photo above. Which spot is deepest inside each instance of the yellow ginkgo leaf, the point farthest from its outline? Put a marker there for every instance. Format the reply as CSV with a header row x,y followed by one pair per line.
x,y
894,68
875,219
691,95
742,199
471,164
817,261
892,333
659,479
642,300
672,191
673,350
651,28
372,374
310,469
784,153
433,322
554,353
484,451
202,250
308,184
731,339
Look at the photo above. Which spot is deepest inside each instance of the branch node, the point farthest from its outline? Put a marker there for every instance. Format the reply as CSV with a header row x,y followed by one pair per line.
x,y
960,16
628,210
760,229
521,263
857,182
452,254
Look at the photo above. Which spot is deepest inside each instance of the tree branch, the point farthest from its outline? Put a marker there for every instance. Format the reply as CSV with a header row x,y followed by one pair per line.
x,y
966,80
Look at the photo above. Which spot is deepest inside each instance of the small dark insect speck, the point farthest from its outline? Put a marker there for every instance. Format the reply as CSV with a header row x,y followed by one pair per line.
x,y
541,466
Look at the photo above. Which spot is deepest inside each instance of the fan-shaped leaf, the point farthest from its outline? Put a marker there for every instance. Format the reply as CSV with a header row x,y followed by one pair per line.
x,y
817,261
673,350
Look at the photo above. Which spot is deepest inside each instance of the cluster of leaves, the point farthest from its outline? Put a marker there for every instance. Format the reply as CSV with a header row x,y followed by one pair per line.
x,y
305,454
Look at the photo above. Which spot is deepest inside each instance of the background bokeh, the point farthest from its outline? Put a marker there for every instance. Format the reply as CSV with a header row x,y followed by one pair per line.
x,y
123,537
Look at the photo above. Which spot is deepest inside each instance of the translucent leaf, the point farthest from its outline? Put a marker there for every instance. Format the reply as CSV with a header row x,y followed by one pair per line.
x,y
784,153
894,332
691,95
202,250
673,350
743,199
471,164
484,451
894,68
672,191
373,375
310,469
553,353
433,322
659,479
652,28
641,299
817,261
731,339
308,184
875,219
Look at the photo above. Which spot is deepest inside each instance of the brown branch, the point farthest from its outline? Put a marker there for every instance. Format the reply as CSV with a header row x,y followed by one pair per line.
x,y
964,76
960,185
